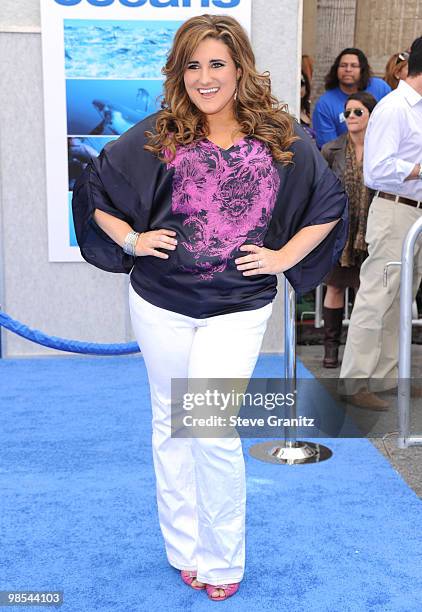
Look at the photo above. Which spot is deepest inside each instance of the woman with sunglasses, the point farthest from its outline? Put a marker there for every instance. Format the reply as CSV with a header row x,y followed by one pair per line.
x,y
345,157
396,69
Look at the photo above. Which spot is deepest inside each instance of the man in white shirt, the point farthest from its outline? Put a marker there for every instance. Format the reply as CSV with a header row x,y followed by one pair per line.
x,y
392,166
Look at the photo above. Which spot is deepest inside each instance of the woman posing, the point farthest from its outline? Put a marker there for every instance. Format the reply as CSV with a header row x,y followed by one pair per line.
x,y
204,203
345,156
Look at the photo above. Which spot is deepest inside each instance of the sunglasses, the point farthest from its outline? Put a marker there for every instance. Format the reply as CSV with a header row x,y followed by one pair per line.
x,y
402,57
357,111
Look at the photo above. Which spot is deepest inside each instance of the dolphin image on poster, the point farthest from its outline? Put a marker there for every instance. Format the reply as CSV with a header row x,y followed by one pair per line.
x,y
116,118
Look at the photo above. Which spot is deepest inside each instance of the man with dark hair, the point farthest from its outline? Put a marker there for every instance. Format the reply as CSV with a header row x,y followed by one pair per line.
x,y
393,168
349,73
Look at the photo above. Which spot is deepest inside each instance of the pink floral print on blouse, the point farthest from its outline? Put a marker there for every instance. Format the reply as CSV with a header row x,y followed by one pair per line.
x,y
227,198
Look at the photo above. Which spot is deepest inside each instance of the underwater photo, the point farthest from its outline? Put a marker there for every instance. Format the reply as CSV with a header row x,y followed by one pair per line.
x,y
112,49
104,106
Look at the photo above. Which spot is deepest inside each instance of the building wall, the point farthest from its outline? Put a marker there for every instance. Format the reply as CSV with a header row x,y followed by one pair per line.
x,y
384,28
76,300
308,27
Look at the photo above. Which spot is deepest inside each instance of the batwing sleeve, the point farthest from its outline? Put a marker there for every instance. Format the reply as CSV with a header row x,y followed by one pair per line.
x,y
311,194
102,186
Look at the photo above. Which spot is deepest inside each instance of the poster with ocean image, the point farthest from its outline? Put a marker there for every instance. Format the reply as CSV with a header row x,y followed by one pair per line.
x,y
102,62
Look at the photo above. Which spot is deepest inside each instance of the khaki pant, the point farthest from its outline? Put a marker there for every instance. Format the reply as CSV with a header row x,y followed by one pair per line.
x,y
372,345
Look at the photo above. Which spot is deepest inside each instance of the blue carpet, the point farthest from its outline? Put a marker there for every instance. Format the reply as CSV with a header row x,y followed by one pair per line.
x,y
78,506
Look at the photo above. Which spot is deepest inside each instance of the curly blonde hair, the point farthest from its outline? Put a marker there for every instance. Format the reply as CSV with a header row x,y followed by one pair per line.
x,y
256,110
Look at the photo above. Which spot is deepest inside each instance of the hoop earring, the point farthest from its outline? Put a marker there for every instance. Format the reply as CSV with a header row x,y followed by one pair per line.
x,y
235,95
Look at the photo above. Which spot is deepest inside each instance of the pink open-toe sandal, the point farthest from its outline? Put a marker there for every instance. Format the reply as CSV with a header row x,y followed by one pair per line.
x,y
229,590
188,577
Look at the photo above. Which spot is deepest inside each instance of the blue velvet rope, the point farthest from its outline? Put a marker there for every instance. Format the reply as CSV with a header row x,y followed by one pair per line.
x,y
63,344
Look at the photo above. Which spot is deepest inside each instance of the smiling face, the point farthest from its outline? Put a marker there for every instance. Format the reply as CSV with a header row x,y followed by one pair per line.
x,y
211,77
354,123
348,71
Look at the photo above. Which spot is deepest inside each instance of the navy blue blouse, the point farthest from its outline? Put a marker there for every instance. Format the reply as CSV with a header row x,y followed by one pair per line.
x,y
216,200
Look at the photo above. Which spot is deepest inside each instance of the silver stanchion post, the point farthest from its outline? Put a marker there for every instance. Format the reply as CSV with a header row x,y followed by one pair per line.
x,y
405,338
318,307
290,451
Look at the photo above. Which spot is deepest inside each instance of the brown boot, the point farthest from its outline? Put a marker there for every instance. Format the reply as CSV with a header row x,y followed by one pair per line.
x,y
333,321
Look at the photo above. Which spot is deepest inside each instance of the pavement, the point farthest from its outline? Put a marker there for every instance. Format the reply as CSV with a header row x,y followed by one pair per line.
x,y
407,462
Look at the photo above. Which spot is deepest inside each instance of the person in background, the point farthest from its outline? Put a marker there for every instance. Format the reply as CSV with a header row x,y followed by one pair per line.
x,y
349,73
396,69
345,157
393,167
305,105
308,66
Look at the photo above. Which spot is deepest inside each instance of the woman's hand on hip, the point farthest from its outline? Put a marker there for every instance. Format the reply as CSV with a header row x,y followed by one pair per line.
x,y
260,260
149,242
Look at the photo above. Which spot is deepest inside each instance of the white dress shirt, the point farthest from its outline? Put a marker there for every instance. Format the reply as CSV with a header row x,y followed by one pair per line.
x,y
393,143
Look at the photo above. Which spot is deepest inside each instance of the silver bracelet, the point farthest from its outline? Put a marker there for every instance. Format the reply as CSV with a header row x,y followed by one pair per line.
x,y
130,243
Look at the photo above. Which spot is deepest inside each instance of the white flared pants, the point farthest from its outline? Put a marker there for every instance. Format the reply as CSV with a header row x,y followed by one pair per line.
x,y
201,491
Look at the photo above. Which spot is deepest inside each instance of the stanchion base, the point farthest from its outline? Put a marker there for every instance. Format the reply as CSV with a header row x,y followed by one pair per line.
x,y
286,453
